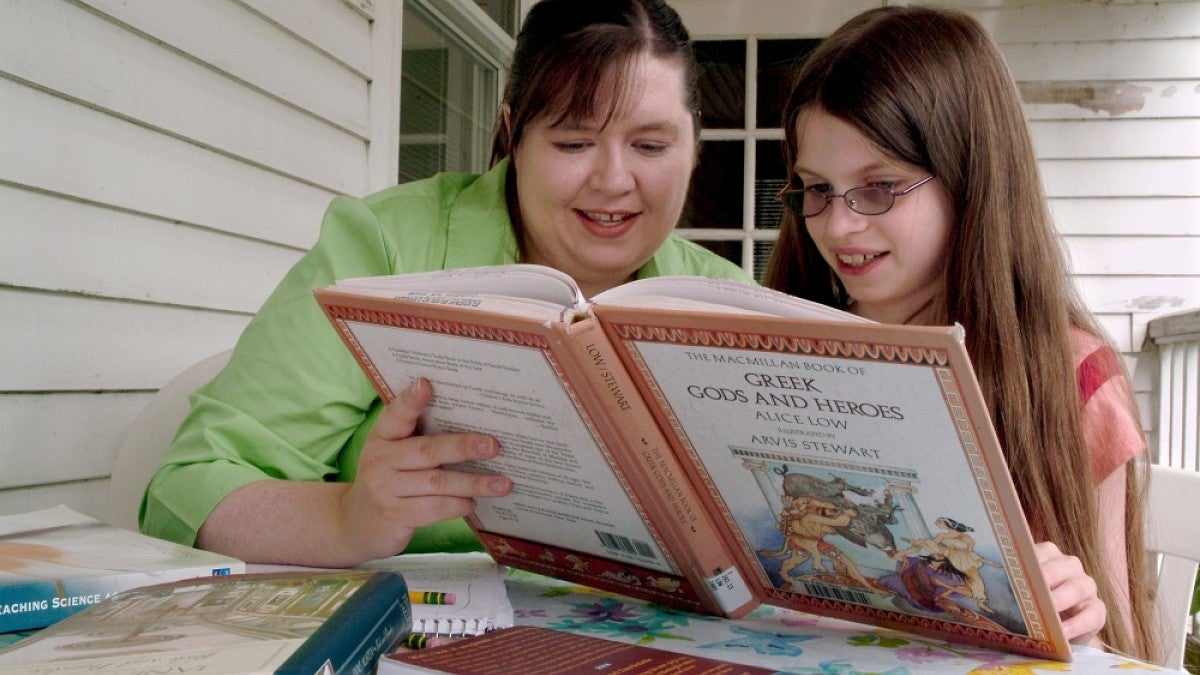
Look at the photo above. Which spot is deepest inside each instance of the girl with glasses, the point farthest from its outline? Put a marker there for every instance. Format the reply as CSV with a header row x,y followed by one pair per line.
x,y
915,197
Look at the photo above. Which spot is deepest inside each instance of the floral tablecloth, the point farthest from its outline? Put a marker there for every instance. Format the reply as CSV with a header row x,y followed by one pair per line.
x,y
781,639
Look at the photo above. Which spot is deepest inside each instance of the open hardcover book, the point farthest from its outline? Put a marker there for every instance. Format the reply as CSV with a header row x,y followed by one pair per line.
x,y
712,445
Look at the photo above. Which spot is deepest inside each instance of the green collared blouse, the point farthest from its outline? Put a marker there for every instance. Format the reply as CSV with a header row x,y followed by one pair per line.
x,y
292,403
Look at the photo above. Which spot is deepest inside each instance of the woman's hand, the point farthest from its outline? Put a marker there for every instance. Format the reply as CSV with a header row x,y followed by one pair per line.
x,y
1073,592
401,484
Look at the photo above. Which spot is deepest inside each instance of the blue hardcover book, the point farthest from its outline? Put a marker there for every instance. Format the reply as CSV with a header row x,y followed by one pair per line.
x,y
337,621
56,562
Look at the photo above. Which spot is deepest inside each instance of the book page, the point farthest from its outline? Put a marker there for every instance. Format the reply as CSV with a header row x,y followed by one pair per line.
x,y
532,308
850,470
717,295
532,282
565,492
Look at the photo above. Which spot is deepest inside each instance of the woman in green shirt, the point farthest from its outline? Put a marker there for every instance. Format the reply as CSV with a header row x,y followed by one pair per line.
x,y
288,456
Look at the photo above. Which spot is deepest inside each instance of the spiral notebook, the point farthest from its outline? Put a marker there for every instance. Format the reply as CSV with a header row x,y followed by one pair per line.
x,y
477,581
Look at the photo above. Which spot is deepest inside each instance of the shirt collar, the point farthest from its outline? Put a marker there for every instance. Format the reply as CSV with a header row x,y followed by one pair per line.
x,y
479,231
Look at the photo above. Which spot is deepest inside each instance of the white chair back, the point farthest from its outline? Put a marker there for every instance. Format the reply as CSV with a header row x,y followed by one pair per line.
x,y
1173,529
146,442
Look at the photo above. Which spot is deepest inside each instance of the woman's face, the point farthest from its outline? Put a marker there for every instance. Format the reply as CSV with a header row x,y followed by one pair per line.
x,y
889,263
599,199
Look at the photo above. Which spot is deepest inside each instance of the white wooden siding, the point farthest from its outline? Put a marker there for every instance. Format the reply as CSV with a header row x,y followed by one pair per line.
x,y
162,165
1112,91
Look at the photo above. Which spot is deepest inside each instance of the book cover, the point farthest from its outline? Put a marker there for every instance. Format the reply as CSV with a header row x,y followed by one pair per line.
x,y
524,649
670,425
855,467
582,507
56,562
291,622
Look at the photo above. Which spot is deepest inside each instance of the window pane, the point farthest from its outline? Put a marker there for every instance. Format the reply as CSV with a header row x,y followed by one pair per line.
x,y
503,12
729,250
769,177
722,83
762,253
447,101
778,61
715,199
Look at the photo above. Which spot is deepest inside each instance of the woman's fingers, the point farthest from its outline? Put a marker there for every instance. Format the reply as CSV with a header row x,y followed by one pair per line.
x,y
399,419
392,444
402,484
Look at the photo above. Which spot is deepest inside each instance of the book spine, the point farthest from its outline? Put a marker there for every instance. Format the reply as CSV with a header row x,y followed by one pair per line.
x,y
676,509
40,603
364,627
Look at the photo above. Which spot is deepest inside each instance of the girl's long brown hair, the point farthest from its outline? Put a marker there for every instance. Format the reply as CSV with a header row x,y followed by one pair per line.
x,y
930,88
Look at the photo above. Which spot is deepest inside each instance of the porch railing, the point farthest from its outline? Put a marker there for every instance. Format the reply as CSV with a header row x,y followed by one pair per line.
x,y
1177,339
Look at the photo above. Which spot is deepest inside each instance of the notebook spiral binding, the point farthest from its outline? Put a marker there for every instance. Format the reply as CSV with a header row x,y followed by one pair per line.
x,y
451,627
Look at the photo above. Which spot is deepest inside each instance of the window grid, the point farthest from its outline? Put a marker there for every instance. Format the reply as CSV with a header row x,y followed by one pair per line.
x,y
755,243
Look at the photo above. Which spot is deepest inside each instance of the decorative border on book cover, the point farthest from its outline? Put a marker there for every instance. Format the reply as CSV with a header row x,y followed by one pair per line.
x,y
618,577
343,315
827,347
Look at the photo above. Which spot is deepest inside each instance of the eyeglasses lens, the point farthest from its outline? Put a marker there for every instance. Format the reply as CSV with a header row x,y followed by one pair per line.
x,y
869,201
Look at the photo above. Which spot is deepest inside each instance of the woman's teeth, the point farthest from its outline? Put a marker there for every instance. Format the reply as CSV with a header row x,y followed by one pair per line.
x,y
607,218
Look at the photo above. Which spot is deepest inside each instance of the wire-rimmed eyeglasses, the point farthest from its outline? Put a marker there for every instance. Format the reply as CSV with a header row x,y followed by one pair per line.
x,y
869,200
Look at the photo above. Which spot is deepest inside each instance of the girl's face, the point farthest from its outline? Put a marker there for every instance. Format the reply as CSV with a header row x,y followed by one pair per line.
x,y
598,199
889,263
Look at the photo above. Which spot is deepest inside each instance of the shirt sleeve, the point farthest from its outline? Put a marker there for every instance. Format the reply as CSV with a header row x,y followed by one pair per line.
x,y
1110,425
288,400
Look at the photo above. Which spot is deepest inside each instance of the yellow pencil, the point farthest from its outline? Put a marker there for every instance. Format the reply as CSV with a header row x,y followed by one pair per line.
x,y
430,598
419,641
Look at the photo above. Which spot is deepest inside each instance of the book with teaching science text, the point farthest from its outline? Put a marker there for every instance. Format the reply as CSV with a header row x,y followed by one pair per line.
x,y
712,445
311,622
55,562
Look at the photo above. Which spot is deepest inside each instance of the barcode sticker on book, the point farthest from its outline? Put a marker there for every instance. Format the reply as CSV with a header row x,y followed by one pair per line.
x,y
618,542
836,593
729,589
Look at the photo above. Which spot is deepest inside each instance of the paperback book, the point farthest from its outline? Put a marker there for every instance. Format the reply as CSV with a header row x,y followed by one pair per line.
x,y
56,562
291,622
712,446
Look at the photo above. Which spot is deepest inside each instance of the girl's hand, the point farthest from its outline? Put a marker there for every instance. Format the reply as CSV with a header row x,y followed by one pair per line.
x,y
1073,592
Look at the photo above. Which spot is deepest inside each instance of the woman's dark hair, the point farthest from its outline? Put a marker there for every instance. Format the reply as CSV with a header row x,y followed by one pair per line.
x,y
573,58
